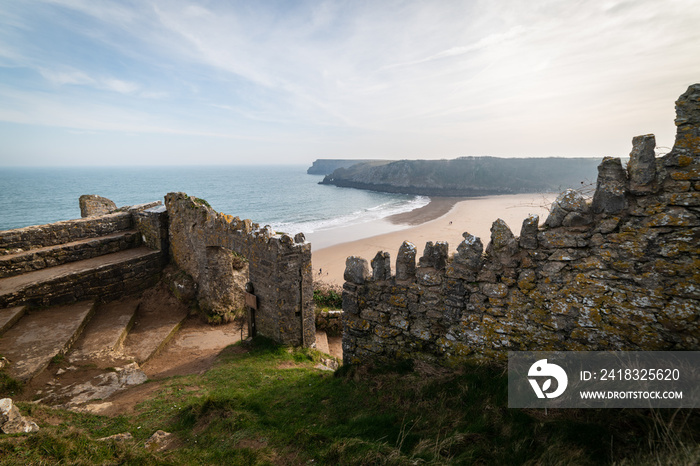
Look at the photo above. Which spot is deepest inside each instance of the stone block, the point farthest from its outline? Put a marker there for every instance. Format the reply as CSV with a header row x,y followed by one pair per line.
x,y
356,270
528,232
428,276
12,422
568,209
611,187
92,205
381,266
434,255
642,164
406,261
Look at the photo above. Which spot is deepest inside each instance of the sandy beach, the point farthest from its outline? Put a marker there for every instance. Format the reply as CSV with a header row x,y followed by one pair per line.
x,y
444,219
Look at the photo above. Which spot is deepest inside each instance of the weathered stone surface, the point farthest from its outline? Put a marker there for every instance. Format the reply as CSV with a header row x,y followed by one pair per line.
x,y
611,187
92,205
620,274
159,441
528,232
38,236
356,270
279,269
12,422
642,164
568,208
687,124
105,277
117,437
51,256
99,387
330,322
180,284
406,261
503,245
381,266
434,255
152,224
222,291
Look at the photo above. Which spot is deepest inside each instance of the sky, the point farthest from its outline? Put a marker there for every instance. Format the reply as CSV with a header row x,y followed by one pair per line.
x,y
149,82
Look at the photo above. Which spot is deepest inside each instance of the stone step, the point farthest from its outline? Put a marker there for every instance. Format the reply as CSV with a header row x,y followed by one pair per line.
x,y
50,256
156,322
9,316
105,333
322,342
105,277
42,334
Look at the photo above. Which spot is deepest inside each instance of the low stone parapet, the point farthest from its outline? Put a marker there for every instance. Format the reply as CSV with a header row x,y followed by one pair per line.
x,y
38,236
37,259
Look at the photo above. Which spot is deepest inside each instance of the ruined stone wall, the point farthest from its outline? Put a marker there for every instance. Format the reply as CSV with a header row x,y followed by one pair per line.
x,y
620,272
279,267
52,234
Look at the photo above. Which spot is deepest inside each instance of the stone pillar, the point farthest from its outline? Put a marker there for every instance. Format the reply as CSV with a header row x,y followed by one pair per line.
x,y
434,255
356,270
642,164
528,232
467,261
688,122
153,226
381,266
503,246
406,262
611,187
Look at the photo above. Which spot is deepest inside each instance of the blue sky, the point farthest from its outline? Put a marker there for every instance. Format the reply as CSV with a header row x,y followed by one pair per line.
x,y
149,82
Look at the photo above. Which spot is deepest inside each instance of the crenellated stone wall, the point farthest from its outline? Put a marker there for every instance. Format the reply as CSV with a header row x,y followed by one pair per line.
x,y
618,272
204,243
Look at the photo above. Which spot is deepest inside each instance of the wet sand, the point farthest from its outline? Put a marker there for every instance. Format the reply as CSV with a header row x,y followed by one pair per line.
x,y
444,219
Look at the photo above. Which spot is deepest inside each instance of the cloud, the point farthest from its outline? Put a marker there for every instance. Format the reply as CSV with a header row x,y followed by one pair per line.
x,y
394,77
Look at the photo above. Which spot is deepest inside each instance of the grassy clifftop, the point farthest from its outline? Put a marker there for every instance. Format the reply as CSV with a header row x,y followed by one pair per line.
x,y
468,176
267,404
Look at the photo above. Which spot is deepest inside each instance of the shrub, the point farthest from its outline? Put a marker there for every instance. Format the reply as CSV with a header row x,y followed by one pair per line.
x,y
328,296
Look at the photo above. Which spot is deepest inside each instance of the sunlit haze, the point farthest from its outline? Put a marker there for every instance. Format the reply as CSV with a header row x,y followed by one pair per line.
x,y
147,82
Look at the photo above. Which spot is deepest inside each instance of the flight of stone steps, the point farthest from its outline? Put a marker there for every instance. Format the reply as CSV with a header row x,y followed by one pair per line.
x,y
58,286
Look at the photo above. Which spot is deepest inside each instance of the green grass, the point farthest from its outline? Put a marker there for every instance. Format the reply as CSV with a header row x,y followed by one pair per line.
x,y
267,404
9,386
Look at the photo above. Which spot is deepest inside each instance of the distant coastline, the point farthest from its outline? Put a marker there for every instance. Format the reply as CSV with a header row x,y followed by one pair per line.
x,y
467,176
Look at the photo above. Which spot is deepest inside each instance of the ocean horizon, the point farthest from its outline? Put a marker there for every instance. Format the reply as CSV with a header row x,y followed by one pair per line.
x,y
282,196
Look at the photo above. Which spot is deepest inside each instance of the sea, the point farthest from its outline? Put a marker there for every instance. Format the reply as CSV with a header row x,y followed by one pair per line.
x,y
282,196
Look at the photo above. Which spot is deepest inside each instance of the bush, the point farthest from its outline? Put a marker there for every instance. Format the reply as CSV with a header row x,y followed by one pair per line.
x,y
328,296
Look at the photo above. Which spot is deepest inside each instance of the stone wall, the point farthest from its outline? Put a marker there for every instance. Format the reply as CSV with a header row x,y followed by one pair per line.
x,y
330,322
111,281
279,267
618,272
52,234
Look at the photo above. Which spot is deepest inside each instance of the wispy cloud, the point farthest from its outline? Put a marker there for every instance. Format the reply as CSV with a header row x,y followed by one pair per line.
x,y
391,78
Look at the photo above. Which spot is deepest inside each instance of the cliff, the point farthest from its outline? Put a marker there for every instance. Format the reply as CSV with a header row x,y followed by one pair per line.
x,y
468,176
327,166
